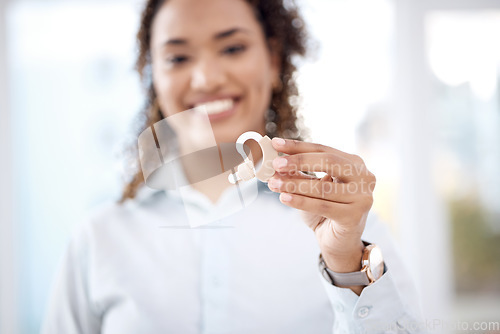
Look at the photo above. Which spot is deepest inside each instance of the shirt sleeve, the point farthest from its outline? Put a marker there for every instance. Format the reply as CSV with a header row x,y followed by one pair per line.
x,y
69,309
389,305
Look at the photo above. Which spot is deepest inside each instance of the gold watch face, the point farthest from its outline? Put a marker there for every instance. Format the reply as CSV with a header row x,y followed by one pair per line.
x,y
376,263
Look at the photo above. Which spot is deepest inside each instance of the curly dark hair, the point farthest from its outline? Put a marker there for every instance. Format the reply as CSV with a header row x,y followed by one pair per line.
x,y
281,23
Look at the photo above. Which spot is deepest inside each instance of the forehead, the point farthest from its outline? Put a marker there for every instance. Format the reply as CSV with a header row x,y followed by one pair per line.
x,y
199,19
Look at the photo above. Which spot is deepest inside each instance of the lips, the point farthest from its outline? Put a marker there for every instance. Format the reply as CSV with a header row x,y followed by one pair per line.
x,y
218,108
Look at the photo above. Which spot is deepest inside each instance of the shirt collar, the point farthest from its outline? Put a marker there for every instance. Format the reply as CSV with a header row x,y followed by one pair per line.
x,y
191,196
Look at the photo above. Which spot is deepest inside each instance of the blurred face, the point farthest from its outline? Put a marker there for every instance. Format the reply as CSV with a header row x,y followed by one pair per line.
x,y
213,53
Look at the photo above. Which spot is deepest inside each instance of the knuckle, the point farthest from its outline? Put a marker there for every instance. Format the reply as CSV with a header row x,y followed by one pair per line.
x,y
321,148
357,159
323,206
327,188
370,180
291,160
366,201
298,201
330,159
293,186
331,163
298,161
295,143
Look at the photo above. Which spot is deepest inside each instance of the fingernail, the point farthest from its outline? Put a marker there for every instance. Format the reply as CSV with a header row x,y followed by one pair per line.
x,y
280,162
275,183
279,141
285,197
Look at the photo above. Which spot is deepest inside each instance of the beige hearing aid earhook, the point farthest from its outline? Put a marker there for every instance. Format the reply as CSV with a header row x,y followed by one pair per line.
x,y
246,170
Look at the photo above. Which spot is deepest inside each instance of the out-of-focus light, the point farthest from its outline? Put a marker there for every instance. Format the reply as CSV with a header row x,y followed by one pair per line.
x,y
483,81
353,69
463,48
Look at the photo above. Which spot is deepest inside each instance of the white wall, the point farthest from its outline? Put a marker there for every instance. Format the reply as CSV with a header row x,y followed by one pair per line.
x,y
424,230
8,301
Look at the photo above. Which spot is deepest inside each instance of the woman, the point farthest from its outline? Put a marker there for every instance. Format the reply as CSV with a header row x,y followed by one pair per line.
x,y
257,270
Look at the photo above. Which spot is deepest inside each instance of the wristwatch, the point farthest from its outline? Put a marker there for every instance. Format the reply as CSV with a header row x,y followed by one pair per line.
x,y
372,268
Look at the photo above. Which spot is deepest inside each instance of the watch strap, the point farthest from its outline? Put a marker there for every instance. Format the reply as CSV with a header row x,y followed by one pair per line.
x,y
348,279
343,279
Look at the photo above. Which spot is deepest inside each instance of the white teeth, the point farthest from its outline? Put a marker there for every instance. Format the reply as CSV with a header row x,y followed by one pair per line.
x,y
215,107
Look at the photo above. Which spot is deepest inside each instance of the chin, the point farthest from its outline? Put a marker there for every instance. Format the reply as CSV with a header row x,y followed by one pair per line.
x,y
230,131
226,137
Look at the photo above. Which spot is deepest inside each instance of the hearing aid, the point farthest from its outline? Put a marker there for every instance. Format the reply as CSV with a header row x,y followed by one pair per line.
x,y
246,170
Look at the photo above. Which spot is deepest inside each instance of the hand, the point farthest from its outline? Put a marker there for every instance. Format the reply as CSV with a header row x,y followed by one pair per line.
x,y
336,206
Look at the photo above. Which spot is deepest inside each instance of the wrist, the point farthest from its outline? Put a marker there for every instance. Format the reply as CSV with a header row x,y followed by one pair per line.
x,y
346,260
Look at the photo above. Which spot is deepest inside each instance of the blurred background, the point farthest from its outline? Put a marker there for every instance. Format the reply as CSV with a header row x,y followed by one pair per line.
x,y
410,85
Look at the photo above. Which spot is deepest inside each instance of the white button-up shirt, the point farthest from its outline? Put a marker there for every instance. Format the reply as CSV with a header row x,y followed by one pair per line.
x,y
140,268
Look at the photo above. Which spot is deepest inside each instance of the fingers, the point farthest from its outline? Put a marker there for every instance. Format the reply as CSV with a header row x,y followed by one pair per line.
x,y
331,163
339,212
316,206
289,146
296,175
316,188
346,190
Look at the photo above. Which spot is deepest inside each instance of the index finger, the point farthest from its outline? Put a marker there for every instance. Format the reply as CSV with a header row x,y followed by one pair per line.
x,y
290,146
330,163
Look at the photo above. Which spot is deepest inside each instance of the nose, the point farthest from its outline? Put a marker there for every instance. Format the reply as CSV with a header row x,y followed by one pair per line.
x,y
207,76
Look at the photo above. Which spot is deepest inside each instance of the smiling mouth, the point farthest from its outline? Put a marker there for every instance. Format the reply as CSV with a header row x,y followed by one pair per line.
x,y
216,107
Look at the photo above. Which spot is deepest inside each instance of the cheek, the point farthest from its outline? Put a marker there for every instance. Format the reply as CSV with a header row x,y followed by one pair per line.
x,y
167,93
261,94
257,80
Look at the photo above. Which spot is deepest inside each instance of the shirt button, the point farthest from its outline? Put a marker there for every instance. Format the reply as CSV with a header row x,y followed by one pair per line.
x,y
339,307
363,312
